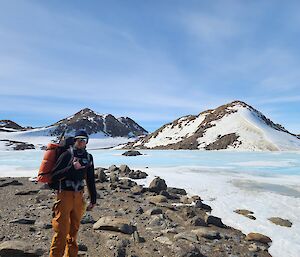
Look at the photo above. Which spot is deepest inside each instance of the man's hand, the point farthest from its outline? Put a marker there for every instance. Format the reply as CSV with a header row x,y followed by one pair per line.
x,y
90,207
77,165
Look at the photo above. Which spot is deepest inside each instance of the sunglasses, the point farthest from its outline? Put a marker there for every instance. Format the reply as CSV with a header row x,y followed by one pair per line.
x,y
82,140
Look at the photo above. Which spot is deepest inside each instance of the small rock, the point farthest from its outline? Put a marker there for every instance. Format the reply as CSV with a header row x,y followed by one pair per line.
x,y
159,221
245,213
82,247
206,207
137,238
212,220
23,221
207,233
157,199
192,237
29,192
137,190
137,174
131,153
253,248
113,177
139,210
188,212
154,211
186,200
168,195
197,221
11,183
163,240
196,198
124,169
198,204
281,222
43,225
87,219
175,190
113,168
127,183
258,238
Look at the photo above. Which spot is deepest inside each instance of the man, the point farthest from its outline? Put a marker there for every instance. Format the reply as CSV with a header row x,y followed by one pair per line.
x,y
71,169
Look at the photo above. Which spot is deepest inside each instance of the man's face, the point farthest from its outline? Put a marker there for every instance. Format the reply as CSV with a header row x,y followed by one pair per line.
x,y
80,143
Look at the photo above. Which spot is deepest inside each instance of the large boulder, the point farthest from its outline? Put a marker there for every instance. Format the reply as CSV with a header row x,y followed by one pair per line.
x,y
114,177
16,248
157,185
100,175
113,168
124,169
118,224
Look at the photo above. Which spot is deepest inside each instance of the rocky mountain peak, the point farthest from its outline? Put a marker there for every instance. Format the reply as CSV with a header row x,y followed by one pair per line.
x,y
232,125
9,124
93,123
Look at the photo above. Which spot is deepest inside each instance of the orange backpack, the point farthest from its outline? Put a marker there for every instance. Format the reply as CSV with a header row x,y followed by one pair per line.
x,y
50,157
53,151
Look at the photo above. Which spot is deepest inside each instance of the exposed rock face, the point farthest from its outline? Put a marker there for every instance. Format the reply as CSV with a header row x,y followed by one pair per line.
x,y
234,125
223,142
93,122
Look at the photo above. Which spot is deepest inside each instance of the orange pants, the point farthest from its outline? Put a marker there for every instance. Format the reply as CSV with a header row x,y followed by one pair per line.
x,y
67,213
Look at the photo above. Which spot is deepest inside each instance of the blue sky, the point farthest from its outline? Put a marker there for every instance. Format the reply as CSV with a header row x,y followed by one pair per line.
x,y
153,61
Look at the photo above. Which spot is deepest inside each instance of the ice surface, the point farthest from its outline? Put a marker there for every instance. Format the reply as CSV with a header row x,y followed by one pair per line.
x,y
266,183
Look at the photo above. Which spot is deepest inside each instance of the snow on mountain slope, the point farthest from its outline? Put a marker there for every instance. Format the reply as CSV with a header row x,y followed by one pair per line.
x,y
104,129
175,132
236,125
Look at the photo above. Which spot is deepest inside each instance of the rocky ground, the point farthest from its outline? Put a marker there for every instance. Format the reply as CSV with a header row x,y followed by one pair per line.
x,y
129,220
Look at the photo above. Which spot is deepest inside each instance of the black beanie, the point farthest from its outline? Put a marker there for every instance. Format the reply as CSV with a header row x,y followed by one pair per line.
x,y
81,134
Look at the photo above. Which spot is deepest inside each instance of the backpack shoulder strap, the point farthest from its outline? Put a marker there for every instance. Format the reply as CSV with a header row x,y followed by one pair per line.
x,y
71,151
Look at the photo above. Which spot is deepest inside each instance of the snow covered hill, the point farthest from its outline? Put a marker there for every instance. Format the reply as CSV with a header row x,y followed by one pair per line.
x,y
236,125
104,129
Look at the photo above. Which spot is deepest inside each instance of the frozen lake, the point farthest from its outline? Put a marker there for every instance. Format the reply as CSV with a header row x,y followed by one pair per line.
x,y
267,183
